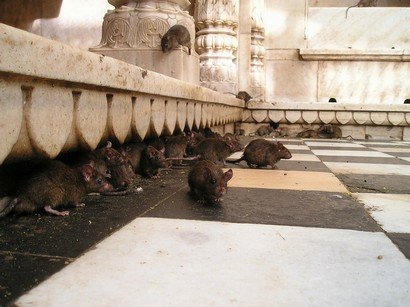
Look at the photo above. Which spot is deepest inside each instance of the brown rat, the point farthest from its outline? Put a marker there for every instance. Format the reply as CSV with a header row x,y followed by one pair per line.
x,y
214,150
207,181
264,130
175,146
158,144
362,3
329,131
309,133
234,139
151,161
52,184
176,35
261,152
194,138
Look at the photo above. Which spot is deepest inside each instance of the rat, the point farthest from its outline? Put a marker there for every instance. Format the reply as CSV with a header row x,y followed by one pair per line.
x,y
362,3
52,184
207,181
175,146
176,35
329,131
264,130
310,133
261,152
158,144
122,175
234,139
151,161
214,150
194,138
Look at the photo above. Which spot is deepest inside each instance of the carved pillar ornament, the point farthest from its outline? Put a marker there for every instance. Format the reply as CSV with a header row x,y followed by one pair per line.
x,y
257,51
132,33
216,43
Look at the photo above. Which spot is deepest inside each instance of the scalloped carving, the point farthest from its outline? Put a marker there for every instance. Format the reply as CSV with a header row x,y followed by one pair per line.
x,y
277,116
327,116
344,117
158,115
91,112
396,118
310,116
198,115
293,116
408,118
259,115
11,116
141,115
378,118
182,115
119,116
190,115
362,117
49,116
170,116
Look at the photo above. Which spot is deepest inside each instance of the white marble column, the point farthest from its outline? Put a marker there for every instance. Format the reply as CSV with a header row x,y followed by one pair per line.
x,y
257,51
217,43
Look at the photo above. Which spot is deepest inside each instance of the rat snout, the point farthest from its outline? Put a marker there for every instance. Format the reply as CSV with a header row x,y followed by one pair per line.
x,y
124,183
221,191
107,187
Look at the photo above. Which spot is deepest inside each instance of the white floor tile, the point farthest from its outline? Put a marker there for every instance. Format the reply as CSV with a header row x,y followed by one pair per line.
x,y
161,262
303,157
405,158
350,153
334,144
391,149
368,168
391,211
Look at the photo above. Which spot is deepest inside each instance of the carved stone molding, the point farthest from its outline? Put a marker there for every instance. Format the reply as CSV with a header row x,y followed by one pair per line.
x,y
55,98
217,43
257,51
322,113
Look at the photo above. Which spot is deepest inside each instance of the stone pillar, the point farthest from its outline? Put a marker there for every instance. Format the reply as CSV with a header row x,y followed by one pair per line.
x,y
132,33
257,51
217,43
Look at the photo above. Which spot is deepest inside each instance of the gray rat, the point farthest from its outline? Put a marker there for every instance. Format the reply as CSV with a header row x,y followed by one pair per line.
x,y
52,184
176,35
362,3
214,150
207,181
261,152
264,130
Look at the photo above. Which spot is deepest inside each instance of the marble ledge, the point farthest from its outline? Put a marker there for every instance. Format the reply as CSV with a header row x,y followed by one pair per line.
x,y
327,106
40,58
391,55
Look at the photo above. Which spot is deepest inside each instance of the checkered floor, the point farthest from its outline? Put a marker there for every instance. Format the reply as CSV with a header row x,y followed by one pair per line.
x,y
331,226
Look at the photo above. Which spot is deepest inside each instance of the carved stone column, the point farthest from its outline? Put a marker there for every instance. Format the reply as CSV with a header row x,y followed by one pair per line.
x,y
257,51
217,43
132,33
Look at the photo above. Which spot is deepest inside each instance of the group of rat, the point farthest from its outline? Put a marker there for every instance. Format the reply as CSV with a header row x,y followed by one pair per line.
x,y
48,184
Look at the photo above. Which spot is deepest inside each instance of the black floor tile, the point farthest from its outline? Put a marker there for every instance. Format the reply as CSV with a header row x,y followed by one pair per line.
x,y
402,240
368,183
276,207
20,273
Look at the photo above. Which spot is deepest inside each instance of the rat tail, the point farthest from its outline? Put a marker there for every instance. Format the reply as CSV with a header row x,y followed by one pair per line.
x,y
347,11
7,205
237,160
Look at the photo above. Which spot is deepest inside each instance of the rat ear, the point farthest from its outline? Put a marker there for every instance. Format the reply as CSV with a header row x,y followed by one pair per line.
x,y
228,175
151,152
87,172
109,144
280,145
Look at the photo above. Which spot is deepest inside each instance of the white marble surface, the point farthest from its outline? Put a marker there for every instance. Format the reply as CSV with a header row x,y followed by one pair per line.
x,y
368,168
333,144
350,153
356,82
365,28
162,262
391,211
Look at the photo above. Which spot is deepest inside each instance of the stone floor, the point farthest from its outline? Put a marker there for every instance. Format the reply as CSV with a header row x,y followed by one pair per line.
x,y
331,226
